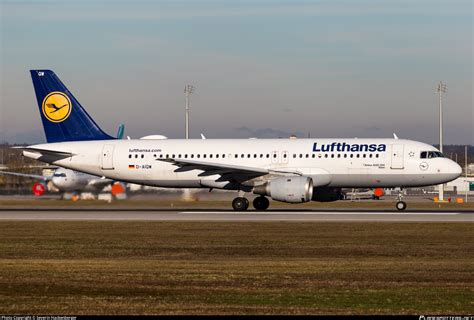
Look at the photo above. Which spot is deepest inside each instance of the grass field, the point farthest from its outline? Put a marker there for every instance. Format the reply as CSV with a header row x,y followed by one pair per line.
x,y
236,268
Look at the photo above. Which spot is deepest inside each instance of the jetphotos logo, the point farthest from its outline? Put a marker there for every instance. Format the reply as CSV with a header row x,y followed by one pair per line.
x,y
56,106
348,147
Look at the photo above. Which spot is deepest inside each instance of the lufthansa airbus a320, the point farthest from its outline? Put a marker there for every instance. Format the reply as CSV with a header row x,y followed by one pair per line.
x,y
287,170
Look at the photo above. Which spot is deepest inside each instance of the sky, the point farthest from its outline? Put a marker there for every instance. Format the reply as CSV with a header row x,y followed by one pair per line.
x,y
327,69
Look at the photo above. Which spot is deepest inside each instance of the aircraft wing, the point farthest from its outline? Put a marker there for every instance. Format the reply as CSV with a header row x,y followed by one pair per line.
x,y
227,172
26,175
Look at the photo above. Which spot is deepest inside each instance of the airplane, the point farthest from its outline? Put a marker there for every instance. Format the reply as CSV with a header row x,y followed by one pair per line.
x,y
66,180
286,170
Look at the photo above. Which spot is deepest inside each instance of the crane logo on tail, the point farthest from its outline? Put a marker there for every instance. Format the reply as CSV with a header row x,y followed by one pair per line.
x,y
56,106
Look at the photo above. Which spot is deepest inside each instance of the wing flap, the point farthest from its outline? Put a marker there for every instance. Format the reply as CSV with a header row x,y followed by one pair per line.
x,y
227,172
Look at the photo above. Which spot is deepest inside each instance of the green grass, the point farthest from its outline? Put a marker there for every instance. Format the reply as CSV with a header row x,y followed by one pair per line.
x,y
236,268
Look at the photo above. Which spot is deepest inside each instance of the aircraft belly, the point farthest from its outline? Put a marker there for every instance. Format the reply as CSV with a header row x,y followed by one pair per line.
x,y
385,180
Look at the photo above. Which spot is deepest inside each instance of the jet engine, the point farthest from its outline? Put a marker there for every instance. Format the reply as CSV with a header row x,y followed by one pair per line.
x,y
289,189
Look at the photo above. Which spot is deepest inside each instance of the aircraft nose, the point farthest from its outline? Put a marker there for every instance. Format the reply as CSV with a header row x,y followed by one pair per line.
x,y
57,182
455,169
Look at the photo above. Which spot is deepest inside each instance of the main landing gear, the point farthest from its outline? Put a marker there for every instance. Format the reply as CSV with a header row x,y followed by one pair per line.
x,y
400,205
240,204
259,203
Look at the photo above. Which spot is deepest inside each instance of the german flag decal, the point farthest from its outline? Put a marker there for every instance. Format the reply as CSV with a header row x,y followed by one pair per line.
x,y
131,166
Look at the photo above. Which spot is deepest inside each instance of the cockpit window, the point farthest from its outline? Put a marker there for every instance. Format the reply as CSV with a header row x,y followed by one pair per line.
x,y
431,154
59,175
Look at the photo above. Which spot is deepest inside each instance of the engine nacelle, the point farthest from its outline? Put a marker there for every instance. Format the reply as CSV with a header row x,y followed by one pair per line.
x,y
291,189
323,194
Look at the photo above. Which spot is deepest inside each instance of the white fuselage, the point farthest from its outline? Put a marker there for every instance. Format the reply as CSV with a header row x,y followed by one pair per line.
x,y
329,162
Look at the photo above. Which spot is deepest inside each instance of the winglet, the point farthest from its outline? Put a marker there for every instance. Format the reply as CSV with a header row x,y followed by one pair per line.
x,y
203,137
395,136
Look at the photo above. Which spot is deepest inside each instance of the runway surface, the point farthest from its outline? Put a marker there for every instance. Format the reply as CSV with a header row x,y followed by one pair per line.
x,y
199,215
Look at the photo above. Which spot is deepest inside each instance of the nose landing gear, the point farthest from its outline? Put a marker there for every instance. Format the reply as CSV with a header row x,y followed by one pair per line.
x,y
400,205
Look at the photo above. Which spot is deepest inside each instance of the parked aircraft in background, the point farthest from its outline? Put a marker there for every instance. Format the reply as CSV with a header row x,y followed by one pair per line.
x,y
66,180
288,170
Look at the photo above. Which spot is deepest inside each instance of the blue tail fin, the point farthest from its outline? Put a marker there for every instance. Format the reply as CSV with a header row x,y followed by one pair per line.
x,y
64,119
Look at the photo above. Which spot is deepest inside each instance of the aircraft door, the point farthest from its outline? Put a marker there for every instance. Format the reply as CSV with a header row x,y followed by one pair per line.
x,y
108,157
397,156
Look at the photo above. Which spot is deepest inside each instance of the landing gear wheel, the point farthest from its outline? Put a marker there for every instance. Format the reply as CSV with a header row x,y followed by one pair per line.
x,y
401,205
261,203
240,204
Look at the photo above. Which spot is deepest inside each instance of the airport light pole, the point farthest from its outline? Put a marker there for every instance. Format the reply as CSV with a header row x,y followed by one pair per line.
x,y
465,170
188,89
441,89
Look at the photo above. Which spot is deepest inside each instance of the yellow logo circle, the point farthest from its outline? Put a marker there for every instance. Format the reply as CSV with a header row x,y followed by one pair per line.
x,y
56,106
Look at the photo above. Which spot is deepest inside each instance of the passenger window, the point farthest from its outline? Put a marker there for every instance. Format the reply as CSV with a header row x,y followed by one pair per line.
x,y
307,155
204,156
242,155
284,155
319,156
376,155
236,155
370,155
294,155
192,155
275,155
363,156
254,155
223,155
338,155
198,155
217,155
161,156
186,156
301,156
261,155
345,155
313,155
136,156
129,155
358,155
326,155
268,156
210,156
332,155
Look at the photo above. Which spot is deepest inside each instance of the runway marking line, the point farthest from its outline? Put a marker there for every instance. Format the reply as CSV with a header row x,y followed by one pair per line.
x,y
322,213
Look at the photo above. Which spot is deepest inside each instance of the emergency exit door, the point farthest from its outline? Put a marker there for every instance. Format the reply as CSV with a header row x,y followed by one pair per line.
x,y
108,157
397,156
